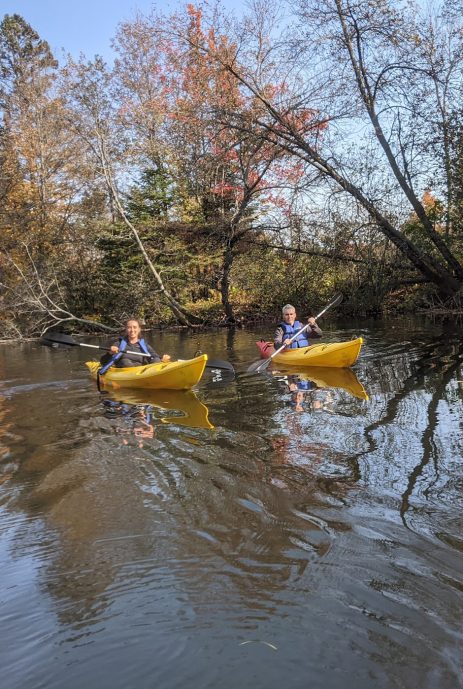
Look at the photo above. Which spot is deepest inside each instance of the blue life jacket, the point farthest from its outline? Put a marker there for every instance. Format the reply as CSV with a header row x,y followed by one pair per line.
x,y
122,347
290,330
304,385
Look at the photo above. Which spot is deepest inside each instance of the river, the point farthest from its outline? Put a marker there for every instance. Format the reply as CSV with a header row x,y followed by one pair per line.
x,y
237,536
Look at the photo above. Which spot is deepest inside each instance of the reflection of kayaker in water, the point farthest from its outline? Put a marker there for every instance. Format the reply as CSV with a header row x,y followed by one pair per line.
x,y
136,419
131,340
306,396
298,389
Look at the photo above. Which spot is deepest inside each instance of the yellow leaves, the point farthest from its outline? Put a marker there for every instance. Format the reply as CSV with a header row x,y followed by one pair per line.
x,y
190,209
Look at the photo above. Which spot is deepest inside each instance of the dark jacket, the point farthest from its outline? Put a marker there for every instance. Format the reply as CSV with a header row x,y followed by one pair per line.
x,y
127,360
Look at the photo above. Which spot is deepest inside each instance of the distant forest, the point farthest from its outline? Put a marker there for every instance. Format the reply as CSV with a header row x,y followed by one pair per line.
x,y
223,166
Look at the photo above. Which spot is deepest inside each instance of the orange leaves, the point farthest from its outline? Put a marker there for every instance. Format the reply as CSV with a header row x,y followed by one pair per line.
x,y
203,118
195,14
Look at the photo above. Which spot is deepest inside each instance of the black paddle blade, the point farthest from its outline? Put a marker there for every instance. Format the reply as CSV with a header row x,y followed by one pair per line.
x,y
219,363
55,338
49,343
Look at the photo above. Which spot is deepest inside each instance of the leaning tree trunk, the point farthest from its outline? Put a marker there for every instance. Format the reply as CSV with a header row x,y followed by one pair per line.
x,y
282,132
228,257
183,316
99,150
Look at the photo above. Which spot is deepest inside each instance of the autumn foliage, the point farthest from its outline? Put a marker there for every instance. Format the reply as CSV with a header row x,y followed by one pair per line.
x,y
216,161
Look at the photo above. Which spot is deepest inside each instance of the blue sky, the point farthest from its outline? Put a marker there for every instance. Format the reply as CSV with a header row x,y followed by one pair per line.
x,y
81,25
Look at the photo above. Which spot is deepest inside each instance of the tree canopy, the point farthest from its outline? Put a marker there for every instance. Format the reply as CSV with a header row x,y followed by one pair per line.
x,y
223,165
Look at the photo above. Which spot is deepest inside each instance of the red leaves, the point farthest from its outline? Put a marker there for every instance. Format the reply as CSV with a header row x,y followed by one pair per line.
x,y
184,84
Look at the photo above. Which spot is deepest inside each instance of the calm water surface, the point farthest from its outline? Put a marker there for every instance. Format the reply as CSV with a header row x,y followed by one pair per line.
x,y
308,545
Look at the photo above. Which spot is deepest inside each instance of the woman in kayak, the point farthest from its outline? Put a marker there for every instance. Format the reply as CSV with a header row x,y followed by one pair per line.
x,y
290,326
133,341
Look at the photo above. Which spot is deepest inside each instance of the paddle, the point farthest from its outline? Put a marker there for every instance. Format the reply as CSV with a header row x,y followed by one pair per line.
x,y
51,338
258,366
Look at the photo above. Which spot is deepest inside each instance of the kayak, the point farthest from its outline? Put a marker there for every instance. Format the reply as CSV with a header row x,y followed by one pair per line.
x,y
174,375
195,413
325,377
333,355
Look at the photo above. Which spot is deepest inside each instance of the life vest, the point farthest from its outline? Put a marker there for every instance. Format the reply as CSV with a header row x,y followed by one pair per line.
x,y
122,347
290,330
304,385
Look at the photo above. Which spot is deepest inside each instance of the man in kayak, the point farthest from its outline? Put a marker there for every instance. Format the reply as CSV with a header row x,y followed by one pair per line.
x,y
290,326
132,341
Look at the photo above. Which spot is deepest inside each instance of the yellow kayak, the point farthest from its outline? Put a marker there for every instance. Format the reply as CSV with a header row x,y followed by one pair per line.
x,y
324,377
332,355
195,413
175,375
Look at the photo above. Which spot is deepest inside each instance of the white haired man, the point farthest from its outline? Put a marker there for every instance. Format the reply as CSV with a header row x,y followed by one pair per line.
x,y
290,326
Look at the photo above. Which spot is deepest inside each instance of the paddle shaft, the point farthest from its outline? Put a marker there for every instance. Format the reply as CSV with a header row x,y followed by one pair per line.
x,y
67,340
105,349
266,363
212,363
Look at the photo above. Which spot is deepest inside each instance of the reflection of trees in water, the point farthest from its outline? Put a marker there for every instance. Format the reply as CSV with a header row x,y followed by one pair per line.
x,y
7,468
229,518
258,536
444,371
216,512
300,458
431,373
91,496
76,483
121,515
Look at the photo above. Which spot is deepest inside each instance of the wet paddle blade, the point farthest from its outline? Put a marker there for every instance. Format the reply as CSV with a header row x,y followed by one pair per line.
x,y
52,337
219,363
55,339
258,366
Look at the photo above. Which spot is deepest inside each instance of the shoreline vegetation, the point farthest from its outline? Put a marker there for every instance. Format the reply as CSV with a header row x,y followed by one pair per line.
x,y
196,182
267,321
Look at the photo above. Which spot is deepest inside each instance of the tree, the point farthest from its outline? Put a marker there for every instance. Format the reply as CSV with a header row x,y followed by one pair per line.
x,y
355,65
224,177
93,115
39,162
38,152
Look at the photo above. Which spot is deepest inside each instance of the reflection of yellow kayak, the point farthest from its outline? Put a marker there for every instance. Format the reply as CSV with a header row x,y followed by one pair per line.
x,y
325,377
333,355
195,412
175,375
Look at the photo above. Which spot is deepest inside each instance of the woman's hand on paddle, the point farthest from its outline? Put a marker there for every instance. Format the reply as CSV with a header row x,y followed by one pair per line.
x,y
114,349
165,358
311,321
